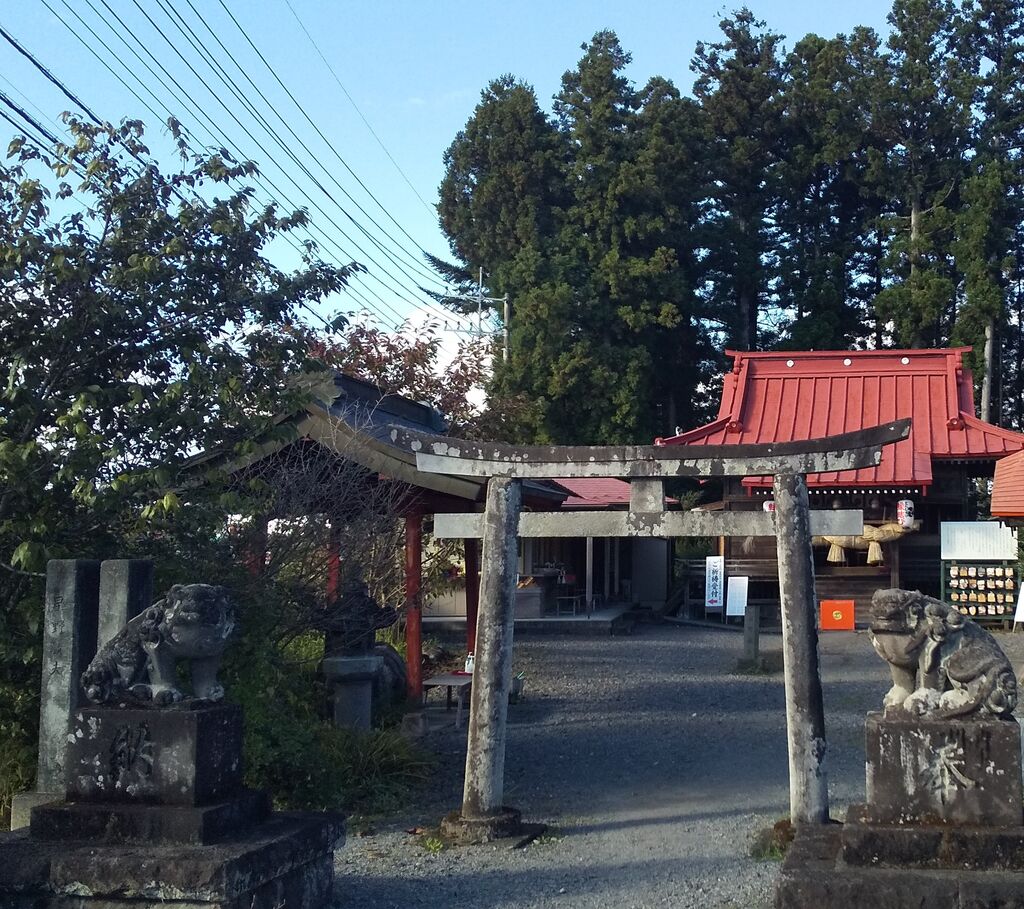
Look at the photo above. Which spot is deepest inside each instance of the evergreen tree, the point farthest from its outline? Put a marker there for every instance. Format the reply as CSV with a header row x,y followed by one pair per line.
x,y
925,120
739,86
991,209
824,211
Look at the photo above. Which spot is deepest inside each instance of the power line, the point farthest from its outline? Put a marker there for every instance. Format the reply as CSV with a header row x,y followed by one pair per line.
x,y
283,145
194,106
349,288
312,123
50,137
344,90
233,86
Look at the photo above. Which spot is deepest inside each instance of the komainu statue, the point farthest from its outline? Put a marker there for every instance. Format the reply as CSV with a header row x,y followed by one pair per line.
x,y
193,622
943,664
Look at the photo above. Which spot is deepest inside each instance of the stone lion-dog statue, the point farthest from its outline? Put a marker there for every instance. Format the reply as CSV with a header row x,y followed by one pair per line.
x,y
943,664
192,622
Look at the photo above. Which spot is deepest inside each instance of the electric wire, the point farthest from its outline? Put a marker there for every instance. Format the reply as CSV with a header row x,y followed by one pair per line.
x,y
262,147
54,141
197,112
366,122
233,87
311,122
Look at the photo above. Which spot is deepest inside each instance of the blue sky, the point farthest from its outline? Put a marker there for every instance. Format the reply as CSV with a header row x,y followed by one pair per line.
x,y
415,70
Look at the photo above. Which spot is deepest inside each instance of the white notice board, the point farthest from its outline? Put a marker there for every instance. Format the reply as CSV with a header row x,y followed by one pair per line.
x,y
1019,614
977,541
714,583
736,596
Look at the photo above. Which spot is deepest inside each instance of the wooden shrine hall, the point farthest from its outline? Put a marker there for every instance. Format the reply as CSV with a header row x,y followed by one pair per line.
x,y
921,481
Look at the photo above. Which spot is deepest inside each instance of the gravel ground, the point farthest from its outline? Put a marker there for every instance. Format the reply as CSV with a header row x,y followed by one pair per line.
x,y
652,761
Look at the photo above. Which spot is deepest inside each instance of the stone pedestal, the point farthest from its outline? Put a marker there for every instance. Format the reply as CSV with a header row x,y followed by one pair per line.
x,y
942,827
156,813
286,862
350,680
169,776
925,771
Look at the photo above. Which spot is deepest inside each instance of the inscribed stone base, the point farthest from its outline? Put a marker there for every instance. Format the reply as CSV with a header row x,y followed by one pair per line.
x,y
189,754
922,770
285,863
111,823
814,876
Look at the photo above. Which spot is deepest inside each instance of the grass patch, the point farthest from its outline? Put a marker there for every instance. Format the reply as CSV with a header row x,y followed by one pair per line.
x,y
765,664
771,843
433,844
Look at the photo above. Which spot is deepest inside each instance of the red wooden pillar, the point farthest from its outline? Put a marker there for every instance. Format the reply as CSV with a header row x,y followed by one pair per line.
x,y
472,549
333,564
256,547
413,616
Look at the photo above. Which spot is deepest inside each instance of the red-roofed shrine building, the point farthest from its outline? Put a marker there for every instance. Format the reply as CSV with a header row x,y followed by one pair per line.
x,y
1008,490
789,396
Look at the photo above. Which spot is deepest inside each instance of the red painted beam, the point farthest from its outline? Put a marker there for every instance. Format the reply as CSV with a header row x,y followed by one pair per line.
x,y
333,564
472,548
256,547
413,616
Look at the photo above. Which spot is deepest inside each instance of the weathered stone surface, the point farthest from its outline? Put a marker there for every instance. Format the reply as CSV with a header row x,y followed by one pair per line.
x,y
186,755
285,863
109,823
813,877
469,831
351,680
69,641
923,770
126,588
23,802
938,846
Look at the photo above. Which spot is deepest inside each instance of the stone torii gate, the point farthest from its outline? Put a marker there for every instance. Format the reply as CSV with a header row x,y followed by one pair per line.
x,y
483,815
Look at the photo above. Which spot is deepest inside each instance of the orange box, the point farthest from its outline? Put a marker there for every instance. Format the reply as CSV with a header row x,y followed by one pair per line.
x,y
837,615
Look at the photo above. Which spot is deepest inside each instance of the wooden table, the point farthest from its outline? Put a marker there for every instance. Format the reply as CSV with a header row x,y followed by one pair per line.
x,y
456,682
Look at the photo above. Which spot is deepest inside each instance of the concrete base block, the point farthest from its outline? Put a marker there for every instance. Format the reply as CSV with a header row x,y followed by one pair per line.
x,y
142,825
285,863
190,754
23,803
471,831
814,875
935,846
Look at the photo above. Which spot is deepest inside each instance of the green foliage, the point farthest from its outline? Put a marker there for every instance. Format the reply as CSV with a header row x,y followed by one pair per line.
x,y
853,192
135,332
291,748
587,221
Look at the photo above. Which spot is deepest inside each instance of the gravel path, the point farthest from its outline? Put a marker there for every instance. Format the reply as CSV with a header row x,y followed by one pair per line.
x,y
653,762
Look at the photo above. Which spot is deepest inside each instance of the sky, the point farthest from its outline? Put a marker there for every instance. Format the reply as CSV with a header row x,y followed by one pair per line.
x,y
406,77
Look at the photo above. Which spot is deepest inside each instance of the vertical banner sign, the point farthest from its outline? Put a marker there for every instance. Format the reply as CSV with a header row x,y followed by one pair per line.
x,y
1019,614
736,596
714,584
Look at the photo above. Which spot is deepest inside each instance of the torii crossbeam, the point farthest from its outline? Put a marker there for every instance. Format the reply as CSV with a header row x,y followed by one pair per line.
x,y
646,467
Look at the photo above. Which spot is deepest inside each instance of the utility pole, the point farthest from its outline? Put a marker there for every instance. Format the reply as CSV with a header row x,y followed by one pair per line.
x,y
480,299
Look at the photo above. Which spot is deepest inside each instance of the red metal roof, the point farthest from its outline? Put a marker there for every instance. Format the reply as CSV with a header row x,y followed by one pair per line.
x,y
1008,489
793,396
595,492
